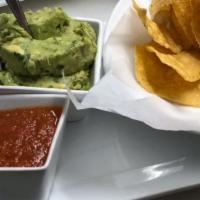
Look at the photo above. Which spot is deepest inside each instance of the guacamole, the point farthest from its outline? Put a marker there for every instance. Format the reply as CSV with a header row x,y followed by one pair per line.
x,y
59,45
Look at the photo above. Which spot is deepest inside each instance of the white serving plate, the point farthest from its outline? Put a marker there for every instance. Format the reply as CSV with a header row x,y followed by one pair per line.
x,y
33,183
109,157
104,157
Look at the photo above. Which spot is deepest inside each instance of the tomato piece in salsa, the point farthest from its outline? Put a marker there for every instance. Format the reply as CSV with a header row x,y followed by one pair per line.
x,y
26,135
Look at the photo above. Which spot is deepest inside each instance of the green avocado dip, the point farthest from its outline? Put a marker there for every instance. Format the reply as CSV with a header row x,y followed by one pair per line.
x,y
60,45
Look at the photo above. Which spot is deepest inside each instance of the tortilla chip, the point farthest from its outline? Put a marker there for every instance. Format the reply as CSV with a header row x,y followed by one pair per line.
x,y
195,22
160,34
184,41
185,63
163,81
159,6
182,10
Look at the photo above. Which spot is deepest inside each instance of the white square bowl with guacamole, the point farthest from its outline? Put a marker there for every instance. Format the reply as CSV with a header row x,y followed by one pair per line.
x,y
62,52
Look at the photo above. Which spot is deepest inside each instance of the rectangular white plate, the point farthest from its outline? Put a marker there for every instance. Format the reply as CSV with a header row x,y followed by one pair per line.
x,y
108,157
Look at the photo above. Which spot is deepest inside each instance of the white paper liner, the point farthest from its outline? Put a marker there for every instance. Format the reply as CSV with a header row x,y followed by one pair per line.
x,y
119,92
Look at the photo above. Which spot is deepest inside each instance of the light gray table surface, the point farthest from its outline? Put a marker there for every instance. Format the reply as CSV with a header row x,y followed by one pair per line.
x,y
105,126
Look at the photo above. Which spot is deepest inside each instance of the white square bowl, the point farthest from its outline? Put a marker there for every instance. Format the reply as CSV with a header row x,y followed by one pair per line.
x,y
33,183
95,75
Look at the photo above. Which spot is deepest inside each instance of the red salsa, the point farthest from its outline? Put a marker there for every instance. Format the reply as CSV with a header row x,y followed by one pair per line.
x,y
26,135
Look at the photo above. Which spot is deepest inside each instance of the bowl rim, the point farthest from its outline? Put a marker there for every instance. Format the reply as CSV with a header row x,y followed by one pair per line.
x,y
97,66
61,122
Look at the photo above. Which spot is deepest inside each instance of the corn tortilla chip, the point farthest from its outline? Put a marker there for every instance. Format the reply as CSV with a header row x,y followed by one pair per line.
x,y
160,35
195,22
185,63
159,6
183,15
183,37
163,81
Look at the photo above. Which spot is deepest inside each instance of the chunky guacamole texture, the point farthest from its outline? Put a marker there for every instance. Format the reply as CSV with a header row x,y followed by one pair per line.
x,y
60,45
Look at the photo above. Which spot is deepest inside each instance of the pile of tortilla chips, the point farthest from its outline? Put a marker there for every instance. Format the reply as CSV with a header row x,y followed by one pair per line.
x,y
169,65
